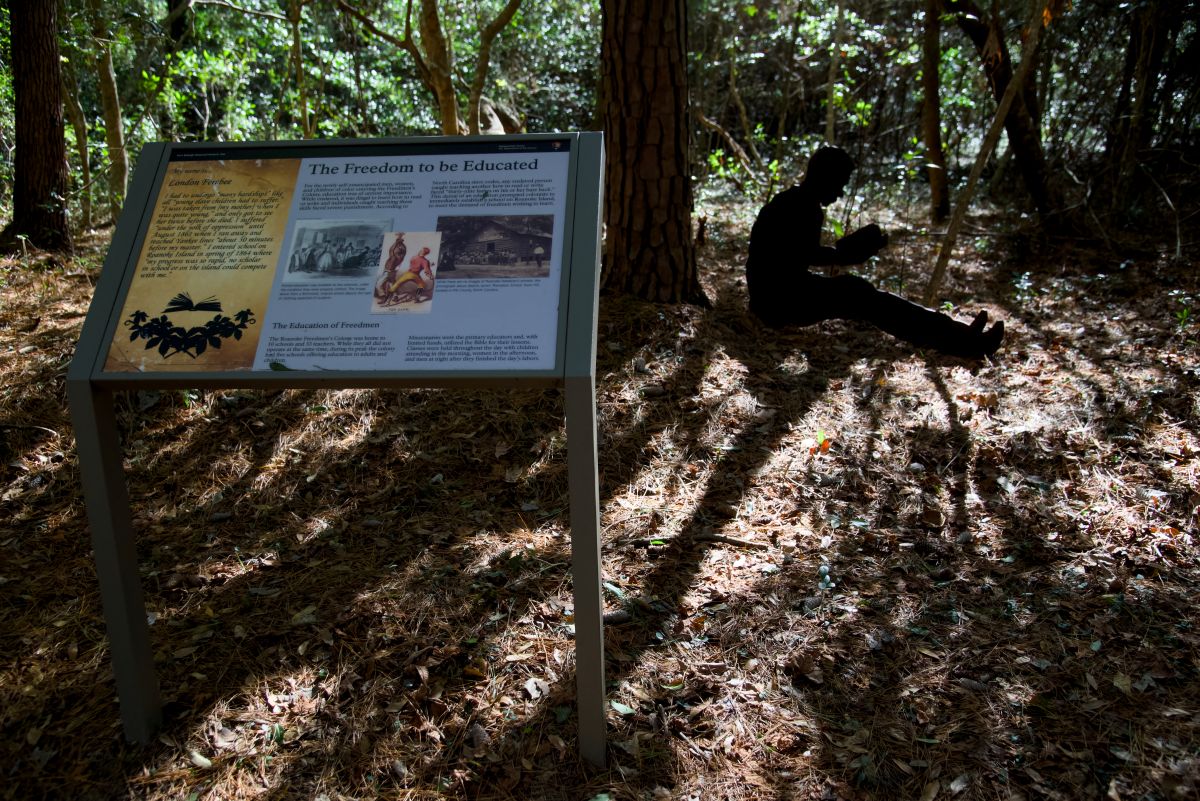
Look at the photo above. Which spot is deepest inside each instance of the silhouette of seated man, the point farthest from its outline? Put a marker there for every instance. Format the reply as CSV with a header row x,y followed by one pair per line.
x,y
786,241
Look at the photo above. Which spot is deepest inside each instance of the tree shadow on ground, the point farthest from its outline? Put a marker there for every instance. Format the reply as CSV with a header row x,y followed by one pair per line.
x,y
961,631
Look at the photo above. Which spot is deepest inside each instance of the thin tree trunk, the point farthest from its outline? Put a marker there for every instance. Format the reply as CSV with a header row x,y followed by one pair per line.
x,y
835,59
785,93
405,42
931,114
294,16
486,37
743,116
74,112
439,59
40,161
1021,122
648,202
985,151
1147,30
114,131
176,24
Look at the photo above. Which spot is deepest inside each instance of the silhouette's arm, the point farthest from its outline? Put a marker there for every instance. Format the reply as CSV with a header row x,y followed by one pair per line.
x,y
861,245
822,256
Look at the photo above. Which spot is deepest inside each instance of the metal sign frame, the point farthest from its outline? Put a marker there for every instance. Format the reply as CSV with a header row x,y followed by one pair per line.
x,y
90,395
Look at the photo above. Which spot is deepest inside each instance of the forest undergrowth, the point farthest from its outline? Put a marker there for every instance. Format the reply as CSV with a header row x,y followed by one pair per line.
x,y
834,568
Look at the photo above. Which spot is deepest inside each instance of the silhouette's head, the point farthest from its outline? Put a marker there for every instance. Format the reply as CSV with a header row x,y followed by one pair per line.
x,y
828,171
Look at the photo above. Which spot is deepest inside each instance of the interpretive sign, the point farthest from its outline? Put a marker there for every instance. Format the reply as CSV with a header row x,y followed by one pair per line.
x,y
350,258
462,261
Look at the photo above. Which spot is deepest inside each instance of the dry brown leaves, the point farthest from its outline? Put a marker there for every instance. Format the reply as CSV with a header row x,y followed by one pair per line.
x,y
835,569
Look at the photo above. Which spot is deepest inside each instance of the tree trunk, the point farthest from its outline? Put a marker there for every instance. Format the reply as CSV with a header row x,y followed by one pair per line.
x,y
437,56
114,132
835,59
40,161
295,14
931,113
434,58
486,37
1003,108
1024,135
176,24
648,202
74,112
1146,42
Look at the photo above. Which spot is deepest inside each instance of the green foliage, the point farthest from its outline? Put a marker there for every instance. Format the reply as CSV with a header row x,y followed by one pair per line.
x,y
547,71
7,101
758,70
1185,318
1024,290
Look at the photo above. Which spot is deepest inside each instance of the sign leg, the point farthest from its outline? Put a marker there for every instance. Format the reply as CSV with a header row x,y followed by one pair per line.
x,y
585,566
103,477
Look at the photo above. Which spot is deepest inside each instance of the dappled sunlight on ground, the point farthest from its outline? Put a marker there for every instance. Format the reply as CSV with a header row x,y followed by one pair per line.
x,y
834,568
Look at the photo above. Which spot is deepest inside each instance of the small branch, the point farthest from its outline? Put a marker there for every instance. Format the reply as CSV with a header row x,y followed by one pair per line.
x,y
738,151
708,536
481,63
985,150
1174,211
406,43
225,4
50,431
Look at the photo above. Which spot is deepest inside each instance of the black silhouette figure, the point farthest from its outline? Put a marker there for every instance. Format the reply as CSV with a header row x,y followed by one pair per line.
x,y
786,240
183,302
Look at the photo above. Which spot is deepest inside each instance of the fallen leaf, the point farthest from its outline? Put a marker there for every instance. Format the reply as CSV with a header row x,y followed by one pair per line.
x,y
224,737
537,688
305,616
622,709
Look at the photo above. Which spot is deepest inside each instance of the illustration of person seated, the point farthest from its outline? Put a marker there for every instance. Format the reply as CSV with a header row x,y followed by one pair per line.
x,y
414,285
786,241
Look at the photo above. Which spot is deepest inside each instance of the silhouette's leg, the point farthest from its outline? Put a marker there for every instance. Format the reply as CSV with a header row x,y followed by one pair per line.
x,y
918,325
927,328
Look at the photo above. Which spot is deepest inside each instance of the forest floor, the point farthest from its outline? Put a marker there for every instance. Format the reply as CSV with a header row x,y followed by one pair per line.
x,y
839,569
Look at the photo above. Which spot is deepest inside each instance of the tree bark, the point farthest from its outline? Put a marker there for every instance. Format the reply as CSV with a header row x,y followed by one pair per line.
x,y
434,59
1021,122
1145,51
74,112
1003,109
295,14
931,114
40,161
648,202
486,37
438,58
835,59
114,131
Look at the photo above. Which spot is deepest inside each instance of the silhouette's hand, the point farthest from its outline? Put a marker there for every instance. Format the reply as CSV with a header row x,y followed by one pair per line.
x,y
862,244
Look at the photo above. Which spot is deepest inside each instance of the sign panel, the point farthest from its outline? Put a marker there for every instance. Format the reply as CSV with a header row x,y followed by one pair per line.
x,y
415,262
405,258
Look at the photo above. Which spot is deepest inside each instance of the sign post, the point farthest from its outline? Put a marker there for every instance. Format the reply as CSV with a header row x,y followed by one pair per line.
x,y
427,262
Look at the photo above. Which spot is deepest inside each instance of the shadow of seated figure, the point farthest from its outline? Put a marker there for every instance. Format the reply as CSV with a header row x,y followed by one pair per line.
x,y
786,241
